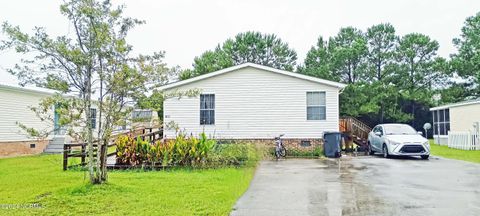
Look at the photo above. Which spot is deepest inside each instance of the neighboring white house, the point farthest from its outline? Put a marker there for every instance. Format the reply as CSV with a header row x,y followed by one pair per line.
x,y
452,121
251,101
15,106
16,103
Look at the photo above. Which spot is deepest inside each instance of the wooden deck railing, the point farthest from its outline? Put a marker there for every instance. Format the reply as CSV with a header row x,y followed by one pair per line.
x,y
79,150
354,127
152,136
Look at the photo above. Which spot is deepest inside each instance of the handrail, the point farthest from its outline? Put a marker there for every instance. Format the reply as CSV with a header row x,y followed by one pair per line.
x,y
355,127
361,123
357,121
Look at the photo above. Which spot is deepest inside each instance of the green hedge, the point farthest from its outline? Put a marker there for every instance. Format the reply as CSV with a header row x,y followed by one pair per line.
x,y
185,151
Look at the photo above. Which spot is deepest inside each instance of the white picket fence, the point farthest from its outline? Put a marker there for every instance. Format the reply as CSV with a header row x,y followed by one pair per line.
x,y
464,140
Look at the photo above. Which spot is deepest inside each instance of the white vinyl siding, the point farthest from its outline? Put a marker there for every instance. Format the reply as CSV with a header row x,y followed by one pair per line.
x,y
316,107
463,117
253,103
16,107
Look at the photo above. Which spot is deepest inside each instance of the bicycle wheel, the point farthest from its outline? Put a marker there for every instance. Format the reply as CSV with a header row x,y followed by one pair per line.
x,y
277,154
283,152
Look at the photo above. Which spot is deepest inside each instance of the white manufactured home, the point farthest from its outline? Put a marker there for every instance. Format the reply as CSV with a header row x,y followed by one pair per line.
x,y
457,125
16,103
251,101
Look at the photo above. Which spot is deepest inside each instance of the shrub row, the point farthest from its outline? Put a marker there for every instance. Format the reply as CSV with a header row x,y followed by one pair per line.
x,y
236,154
184,151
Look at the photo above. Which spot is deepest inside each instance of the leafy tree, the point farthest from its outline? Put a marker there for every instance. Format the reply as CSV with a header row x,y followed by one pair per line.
x,y
381,42
154,102
348,52
185,74
95,60
466,63
54,82
318,62
212,61
342,59
455,92
417,72
254,47
388,77
263,49
357,100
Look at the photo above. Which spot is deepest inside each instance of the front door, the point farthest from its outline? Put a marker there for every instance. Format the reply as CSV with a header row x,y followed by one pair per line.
x,y
57,129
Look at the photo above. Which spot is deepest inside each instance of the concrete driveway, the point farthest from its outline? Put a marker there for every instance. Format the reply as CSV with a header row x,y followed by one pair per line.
x,y
364,185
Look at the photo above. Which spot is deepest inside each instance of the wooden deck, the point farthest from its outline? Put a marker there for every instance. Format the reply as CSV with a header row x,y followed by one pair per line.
x,y
80,150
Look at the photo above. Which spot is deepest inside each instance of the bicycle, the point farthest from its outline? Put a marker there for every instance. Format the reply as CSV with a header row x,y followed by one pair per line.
x,y
280,150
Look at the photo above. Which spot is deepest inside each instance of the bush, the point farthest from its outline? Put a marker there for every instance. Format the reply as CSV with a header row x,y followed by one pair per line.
x,y
316,152
126,150
185,151
181,151
236,154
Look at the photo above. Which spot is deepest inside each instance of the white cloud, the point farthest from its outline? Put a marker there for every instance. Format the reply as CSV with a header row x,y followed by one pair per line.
x,y
186,28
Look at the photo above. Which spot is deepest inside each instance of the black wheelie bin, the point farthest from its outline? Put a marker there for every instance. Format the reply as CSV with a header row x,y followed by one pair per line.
x,y
331,144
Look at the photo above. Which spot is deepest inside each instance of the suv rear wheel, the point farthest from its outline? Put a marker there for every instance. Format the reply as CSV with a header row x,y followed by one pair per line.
x,y
424,157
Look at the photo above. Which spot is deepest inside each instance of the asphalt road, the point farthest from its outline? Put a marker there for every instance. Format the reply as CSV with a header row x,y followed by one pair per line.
x,y
364,185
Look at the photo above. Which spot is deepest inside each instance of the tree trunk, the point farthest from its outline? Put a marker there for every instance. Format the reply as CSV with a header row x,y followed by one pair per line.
x,y
103,161
382,111
88,106
379,78
413,114
100,147
379,71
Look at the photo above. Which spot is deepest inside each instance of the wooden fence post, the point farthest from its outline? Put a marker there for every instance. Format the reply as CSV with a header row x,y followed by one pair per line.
x,y
151,135
83,153
65,157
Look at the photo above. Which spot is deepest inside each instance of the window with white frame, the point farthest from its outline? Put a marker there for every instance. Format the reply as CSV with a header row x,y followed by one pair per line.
x,y
441,121
207,109
316,106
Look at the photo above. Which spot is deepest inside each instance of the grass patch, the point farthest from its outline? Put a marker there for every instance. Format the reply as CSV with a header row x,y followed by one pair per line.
x,y
444,151
40,179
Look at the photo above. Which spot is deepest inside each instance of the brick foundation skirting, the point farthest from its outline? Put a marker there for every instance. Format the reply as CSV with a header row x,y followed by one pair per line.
x,y
306,144
17,148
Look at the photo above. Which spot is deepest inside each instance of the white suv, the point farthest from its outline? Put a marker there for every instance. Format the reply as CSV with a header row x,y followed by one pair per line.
x,y
398,139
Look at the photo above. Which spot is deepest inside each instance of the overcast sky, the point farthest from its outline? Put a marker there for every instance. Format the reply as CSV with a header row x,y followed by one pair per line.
x,y
185,29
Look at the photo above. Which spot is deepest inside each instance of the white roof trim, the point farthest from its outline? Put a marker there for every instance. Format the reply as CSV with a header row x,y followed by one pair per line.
x,y
464,103
36,90
261,67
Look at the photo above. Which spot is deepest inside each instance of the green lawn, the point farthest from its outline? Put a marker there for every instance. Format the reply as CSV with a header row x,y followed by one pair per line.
x,y
40,179
444,151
